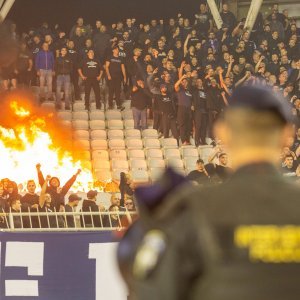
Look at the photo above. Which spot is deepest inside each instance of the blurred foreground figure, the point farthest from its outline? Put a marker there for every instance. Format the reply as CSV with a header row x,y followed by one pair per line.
x,y
239,240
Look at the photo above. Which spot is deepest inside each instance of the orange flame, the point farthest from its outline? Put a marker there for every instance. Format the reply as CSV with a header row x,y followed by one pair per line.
x,y
30,135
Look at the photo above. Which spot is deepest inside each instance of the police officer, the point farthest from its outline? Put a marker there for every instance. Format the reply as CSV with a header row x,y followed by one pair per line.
x,y
91,73
238,240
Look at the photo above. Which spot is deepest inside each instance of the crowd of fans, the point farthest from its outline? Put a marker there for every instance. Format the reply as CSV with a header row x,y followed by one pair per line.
x,y
52,208
183,70
180,72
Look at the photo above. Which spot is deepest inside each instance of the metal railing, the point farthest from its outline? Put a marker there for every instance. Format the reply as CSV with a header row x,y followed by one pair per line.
x,y
66,221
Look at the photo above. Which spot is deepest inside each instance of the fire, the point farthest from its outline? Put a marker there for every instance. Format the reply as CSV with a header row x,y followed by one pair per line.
x,y
29,135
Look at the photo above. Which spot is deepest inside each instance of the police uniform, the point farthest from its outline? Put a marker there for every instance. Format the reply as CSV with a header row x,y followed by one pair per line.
x,y
238,240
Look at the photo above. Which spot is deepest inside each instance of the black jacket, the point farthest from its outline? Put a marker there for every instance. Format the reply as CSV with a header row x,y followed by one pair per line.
x,y
63,65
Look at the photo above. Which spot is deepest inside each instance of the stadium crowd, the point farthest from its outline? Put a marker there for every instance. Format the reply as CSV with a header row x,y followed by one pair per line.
x,y
55,207
180,72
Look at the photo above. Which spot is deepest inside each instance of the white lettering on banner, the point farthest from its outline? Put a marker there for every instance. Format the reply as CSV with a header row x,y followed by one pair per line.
x,y
108,280
32,257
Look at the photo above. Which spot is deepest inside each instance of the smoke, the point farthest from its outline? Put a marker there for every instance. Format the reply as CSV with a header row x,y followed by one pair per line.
x,y
8,46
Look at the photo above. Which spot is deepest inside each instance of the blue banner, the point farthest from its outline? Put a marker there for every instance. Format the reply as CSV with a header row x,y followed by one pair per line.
x,y
59,266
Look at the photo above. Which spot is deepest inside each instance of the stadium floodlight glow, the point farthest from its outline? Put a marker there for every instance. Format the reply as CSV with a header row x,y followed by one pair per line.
x,y
5,8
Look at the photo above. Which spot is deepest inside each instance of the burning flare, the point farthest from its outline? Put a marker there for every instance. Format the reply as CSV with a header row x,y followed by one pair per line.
x,y
30,135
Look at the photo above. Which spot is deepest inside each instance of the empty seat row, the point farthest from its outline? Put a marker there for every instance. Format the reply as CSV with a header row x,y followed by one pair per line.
x,y
95,115
115,134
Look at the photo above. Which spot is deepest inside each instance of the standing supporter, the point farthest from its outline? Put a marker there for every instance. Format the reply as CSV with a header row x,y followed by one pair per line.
x,y
44,65
73,54
184,97
91,72
30,199
140,102
101,43
90,205
24,65
70,207
214,105
53,188
115,71
63,71
200,112
9,76
167,107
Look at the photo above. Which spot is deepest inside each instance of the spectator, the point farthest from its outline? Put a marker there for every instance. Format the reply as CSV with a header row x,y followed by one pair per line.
x,y
115,71
30,199
91,73
70,207
63,71
200,175
184,96
89,205
24,65
139,104
56,192
44,64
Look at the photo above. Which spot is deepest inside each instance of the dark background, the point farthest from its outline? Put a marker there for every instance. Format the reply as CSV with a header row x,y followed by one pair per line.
x,y
31,13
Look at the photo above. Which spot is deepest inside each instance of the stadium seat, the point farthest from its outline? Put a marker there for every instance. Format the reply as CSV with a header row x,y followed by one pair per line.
x,y
150,134
175,163
97,124
82,155
100,154
156,163
81,144
80,124
134,144
115,134
101,164
189,152
99,134
190,163
79,106
136,154
156,173
102,174
97,115
118,154
139,176
129,124
115,124
154,153
66,123
127,104
132,134
151,143
116,174
116,144
99,145
65,115
81,134
172,153
127,115
169,143
113,115
48,105
138,164
119,164
80,115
